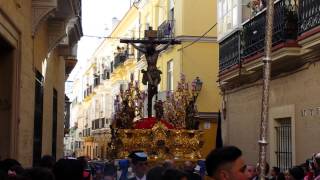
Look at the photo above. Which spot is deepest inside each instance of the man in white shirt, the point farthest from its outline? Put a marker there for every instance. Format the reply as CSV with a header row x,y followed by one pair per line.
x,y
139,165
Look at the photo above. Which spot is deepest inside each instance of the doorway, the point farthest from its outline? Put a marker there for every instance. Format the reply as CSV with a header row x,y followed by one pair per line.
x,y
6,102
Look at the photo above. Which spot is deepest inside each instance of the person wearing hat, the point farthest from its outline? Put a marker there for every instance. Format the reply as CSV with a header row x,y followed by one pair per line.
x,y
139,165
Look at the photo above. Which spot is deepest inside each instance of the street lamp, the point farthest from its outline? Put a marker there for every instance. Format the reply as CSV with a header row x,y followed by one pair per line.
x,y
196,88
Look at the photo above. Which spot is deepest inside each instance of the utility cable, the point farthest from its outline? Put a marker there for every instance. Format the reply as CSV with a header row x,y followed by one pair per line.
x,y
102,37
198,38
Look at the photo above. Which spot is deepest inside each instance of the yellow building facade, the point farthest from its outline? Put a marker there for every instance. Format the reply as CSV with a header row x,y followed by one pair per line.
x,y
37,53
194,25
110,67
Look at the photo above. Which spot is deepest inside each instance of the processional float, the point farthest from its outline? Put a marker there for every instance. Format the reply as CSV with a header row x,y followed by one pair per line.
x,y
173,132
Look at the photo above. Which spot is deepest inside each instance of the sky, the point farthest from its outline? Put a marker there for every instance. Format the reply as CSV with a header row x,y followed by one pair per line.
x,y
96,21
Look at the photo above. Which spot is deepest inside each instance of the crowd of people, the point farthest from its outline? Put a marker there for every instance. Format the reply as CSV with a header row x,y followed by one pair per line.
x,y
47,169
136,167
224,163
228,163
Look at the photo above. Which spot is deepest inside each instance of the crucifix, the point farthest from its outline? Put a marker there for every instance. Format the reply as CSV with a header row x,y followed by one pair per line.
x,y
151,49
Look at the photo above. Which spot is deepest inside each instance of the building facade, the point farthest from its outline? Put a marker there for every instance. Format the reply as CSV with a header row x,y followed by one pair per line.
x,y
38,51
109,68
197,56
293,108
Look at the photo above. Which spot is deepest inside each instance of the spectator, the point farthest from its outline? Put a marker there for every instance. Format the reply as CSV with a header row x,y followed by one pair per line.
x,y
251,172
11,166
67,169
39,173
296,173
274,173
309,169
189,169
109,171
139,165
47,161
281,176
226,163
168,163
155,173
174,174
87,171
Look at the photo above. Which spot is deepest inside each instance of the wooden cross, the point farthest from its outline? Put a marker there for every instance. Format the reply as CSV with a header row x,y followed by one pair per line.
x,y
151,49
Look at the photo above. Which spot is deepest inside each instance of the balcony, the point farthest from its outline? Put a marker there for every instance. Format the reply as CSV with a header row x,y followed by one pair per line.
x,y
87,93
166,30
119,59
285,27
309,11
247,45
309,28
229,52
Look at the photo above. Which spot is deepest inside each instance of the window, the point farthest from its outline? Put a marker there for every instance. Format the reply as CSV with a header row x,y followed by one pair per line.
x,y
108,75
96,80
170,75
96,151
283,143
228,16
102,122
97,124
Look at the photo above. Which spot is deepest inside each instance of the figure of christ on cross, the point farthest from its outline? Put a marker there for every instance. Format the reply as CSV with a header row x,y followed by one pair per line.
x,y
151,76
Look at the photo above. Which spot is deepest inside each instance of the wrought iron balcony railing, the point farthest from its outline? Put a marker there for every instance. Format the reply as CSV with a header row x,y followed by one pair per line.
x,y
229,51
285,27
309,14
249,41
120,58
166,29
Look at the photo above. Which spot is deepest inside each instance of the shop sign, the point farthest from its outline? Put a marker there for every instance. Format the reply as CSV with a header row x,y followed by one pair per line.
x,y
315,111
